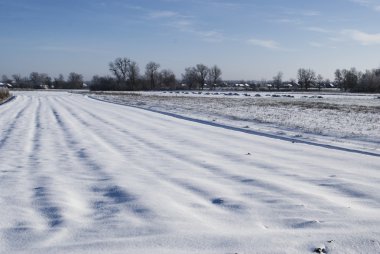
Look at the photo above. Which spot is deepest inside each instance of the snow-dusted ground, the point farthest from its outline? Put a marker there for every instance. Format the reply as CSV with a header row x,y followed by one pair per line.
x,y
83,176
344,119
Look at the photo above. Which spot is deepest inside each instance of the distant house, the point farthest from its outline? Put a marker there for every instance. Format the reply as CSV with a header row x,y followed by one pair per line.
x,y
287,85
6,85
329,85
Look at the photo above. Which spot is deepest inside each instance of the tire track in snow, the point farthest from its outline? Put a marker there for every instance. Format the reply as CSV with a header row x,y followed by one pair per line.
x,y
264,187
217,170
8,132
279,200
42,192
111,198
190,205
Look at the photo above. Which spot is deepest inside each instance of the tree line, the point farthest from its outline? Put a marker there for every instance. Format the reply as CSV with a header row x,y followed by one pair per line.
x,y
125,75
37,80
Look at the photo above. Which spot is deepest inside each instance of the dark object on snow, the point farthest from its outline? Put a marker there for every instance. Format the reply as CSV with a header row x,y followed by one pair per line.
x,y
320,250
217,201
248,154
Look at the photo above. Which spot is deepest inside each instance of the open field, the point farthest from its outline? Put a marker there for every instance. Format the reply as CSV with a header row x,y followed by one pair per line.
x,y
83,176
345,119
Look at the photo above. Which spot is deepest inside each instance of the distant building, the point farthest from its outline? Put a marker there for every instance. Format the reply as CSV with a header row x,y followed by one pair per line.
x,y
5,85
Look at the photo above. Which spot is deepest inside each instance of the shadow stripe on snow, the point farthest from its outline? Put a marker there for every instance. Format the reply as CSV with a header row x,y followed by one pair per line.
x,y
12,126
252,132
7,100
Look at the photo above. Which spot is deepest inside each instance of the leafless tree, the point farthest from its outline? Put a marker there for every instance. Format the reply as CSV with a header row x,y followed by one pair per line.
x,y
167,79
202,72
215,74
320,81
5,79
35,80
151,73
17,78
75,80
133,71
339,78
190,77
59,82
126,72
277,80
306,77
119,68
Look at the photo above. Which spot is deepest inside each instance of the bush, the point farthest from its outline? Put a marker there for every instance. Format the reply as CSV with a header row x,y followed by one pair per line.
x,y
4,93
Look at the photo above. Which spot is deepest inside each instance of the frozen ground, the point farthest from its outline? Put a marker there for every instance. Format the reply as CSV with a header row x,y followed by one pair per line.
x,y
343,119
83,176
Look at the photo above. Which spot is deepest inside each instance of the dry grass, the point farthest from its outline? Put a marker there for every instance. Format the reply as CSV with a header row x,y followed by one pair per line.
x,y
4,94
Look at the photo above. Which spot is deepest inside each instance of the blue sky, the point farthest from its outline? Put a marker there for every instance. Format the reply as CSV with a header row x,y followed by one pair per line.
x,y
248,39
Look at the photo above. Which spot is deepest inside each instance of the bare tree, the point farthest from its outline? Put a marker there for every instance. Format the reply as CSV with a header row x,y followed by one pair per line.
x,y
133,71
5,79
35,80
320,81
339,78
17,78
119,68
125,71
59,82
215,74
168,79
151,73
190,77
202,72
277,80
306,77
350,78
75,80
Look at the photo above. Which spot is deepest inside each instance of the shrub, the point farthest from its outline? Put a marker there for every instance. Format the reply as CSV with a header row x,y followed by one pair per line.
x,y
4,93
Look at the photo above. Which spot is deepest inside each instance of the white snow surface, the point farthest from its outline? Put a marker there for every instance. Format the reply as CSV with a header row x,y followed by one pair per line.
x,y
83,176
342,119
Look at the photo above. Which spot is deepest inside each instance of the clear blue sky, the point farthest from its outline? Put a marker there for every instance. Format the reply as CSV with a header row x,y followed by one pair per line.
x,y
248,39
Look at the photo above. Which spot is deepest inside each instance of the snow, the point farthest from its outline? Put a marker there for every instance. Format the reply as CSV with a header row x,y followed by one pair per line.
x,y
83,176
340,119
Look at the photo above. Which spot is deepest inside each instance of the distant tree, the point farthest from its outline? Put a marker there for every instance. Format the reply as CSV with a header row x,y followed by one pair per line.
x,y
46,80
104,84
120,68
339,78
215,74
35,80
306,77
320,81
75,81
202,72
277,80
350,79
151,73
167,79
133,71
59,82
369,82
190,77
17,78
126,72
5,79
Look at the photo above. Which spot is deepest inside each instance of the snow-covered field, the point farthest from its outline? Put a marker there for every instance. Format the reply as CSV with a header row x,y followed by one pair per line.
x,y
82,176
344,119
